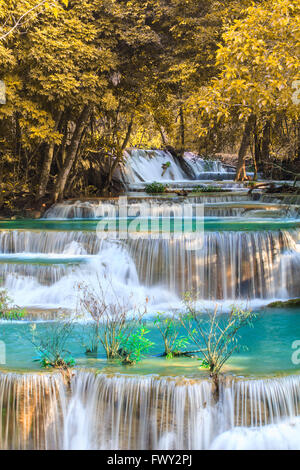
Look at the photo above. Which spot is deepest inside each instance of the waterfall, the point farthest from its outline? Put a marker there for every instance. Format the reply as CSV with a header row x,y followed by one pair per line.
x,y
51,242
264,415
95,209
288,199
230,266
31,411
143,412
97,411
147,166
54,286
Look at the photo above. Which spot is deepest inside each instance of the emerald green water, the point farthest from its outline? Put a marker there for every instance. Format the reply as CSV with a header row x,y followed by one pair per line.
x,y
176,224
266,349
43,260
269,343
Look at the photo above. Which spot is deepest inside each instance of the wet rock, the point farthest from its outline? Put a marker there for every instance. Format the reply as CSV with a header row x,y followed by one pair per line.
x,y
285,304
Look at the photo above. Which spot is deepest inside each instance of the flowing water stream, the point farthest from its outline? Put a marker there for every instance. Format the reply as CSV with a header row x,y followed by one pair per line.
x,y
249,254
123,412
41,267
147,165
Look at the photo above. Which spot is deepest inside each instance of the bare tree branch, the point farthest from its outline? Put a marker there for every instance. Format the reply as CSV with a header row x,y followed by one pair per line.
x,y
19,22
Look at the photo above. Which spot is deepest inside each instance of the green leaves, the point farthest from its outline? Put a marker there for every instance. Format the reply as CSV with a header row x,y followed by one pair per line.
x,y
169,328
8,311
136,346
155,188
50,339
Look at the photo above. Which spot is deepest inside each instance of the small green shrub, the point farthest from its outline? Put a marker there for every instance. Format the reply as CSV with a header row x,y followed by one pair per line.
x,y
110,317
169,328
50,340
135,347
8,311
208,189
155,188
55,362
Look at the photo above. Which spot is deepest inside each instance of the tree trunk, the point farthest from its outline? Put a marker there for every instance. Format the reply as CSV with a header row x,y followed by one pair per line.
x,y
18,137
265,150
265,143
241,166
182,131
45,171
298,139
71,154
119,156
255,164
256,151
47,165
163,138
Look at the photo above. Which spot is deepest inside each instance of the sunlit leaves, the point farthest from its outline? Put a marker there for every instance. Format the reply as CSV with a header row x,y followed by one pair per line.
x,y
259,59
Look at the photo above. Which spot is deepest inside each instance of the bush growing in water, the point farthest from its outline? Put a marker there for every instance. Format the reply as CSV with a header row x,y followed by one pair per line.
x,y
8,311
209,189
155,188
217,335
133,348
50,341
169,328
121,330
112,326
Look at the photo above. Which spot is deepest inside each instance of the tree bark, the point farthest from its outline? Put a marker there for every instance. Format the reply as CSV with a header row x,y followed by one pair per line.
x,y
46,171
47,165
297,132
256,151
119,156
298,139
265,143
18,137
71,154
241,174
182,131
255,164
163,138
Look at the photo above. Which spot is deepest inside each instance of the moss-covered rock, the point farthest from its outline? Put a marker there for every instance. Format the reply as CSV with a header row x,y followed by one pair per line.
x,y
286,304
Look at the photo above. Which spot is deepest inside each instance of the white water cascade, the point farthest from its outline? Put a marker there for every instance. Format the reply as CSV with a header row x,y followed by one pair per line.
x,y
147,166
214,205
229,266
32,409
123,412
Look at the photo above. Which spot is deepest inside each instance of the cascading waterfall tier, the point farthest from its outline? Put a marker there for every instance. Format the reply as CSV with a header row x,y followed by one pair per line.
x,y
123,412
31,411
229,266
95,209
148,165
224,205
290,199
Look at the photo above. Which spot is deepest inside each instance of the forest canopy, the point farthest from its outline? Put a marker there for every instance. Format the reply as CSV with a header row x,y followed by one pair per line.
x,y
85,79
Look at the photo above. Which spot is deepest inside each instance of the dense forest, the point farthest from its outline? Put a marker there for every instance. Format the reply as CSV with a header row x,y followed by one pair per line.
x,y
86,79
